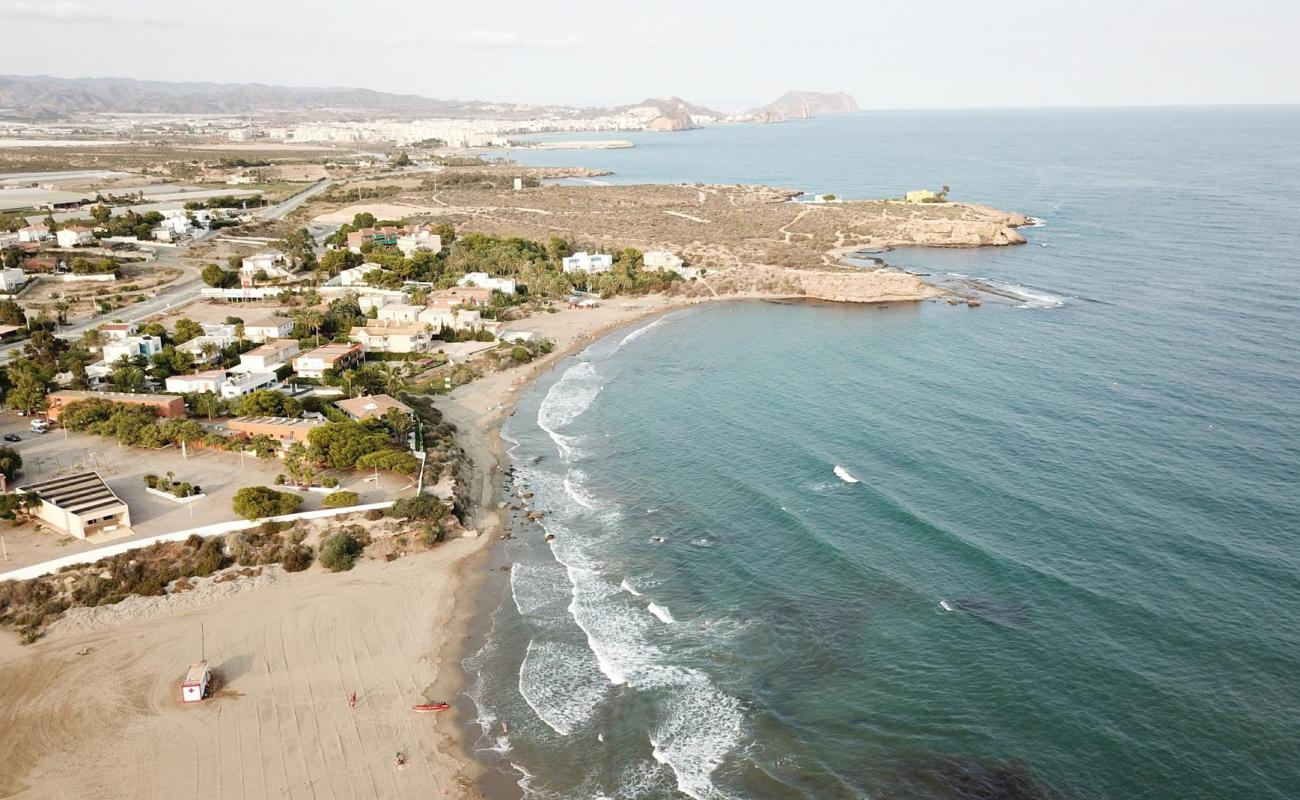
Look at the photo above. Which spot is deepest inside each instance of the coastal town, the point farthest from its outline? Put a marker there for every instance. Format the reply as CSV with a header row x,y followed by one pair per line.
x,y
241,383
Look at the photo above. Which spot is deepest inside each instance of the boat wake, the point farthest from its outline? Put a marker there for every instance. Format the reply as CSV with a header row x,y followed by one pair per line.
x,y
843,474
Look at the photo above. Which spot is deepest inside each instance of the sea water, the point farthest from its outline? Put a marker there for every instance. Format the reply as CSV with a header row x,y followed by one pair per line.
x,y
1049,547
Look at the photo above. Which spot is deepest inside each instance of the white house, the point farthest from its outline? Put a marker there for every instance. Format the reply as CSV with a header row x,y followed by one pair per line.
x,y
11,279
270,326
588,262
271,263
399,313
33,233
117,330
73,236
419,239
131,346
485,281
270,357
206,381
384,338
338,357
662,259
238,384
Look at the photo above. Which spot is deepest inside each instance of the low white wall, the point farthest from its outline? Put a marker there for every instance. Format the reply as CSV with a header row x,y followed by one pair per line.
x,y
68,277
90,556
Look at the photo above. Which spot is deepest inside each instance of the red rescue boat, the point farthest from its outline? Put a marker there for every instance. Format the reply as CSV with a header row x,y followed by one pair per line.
x,y
425,708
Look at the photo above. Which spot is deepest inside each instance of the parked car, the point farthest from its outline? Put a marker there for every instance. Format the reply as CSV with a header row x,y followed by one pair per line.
x,y
13,437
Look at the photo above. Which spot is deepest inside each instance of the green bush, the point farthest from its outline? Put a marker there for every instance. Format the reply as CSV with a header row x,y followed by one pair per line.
x,y
339,552
330,483
421,506
339,499
252,502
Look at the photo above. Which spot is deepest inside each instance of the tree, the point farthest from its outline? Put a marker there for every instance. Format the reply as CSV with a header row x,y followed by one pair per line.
x,y
10,462
402,160
339,499
101,214
207,403
339,552
209,350
185,330
11,313
392,460
254,502
399,425
340,444
267,403
213,275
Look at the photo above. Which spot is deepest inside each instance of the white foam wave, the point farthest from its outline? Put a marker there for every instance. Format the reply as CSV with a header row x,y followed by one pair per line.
x,y
561,683
1035,222
1028,297
567,400
629,588
636,334
535,588
661,612
843,474
573,488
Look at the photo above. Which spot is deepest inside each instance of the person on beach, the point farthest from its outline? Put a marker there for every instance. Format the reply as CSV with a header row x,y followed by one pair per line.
x,y
352,700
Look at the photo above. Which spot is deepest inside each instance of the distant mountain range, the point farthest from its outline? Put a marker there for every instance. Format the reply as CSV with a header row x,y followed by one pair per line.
x,y
802,105
42,97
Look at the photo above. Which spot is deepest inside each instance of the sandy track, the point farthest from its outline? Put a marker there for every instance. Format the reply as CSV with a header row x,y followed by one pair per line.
x,y
109,722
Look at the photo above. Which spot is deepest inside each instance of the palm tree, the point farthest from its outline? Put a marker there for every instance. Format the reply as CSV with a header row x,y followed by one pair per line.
x,y
239,333
209,349
207,403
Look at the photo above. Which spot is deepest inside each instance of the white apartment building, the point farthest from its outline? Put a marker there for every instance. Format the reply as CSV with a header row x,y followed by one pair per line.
x,y
73,236
419,240
33,233
270,357
588,262
11,279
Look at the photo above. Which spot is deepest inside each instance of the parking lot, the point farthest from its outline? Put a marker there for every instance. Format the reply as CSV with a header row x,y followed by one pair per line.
x,y
220,474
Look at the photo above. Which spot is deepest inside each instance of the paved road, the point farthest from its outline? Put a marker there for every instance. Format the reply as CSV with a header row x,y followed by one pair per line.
x,y
183,290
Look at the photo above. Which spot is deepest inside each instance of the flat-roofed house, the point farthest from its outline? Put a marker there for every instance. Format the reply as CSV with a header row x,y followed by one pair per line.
x,y
396,338
80,504
338,357
399,313
371,407
419,239
285,430
588,262
167,405
662,259
270,356
460,296
483,280
199,382
117,330
272,264
130,346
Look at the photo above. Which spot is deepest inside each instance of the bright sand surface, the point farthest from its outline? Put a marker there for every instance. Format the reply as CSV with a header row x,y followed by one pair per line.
x,y
93,707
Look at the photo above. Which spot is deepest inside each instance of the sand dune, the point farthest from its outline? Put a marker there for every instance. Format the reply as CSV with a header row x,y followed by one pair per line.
x,y
94,709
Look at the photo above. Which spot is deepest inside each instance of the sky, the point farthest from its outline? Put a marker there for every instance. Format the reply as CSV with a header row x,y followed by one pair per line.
x,y
724,54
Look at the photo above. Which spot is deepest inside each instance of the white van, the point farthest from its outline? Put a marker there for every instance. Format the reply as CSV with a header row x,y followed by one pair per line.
x,y
40,425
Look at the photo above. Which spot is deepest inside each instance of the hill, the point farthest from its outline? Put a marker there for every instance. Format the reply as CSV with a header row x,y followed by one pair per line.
x,y
802,105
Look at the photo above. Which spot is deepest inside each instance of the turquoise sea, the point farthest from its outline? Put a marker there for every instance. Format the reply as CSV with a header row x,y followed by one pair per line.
x,y
1047,548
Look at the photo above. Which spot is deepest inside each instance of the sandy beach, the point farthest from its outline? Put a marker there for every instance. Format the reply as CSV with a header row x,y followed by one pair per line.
x,y
94,705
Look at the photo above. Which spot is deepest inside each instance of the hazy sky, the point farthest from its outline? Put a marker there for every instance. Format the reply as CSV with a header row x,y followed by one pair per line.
x,y
730,55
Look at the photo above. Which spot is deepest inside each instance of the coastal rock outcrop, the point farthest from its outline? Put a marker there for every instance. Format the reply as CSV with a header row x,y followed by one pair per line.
x,y
803,105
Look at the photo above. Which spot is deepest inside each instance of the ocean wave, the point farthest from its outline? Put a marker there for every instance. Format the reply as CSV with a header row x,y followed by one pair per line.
x,y
568,399
661,613
561,684
536,588
699,724
843,474
627,587
573,488
1035,222
636,334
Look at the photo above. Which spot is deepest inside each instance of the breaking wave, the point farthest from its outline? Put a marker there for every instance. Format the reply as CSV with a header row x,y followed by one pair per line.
x,y
567,400
560,684
661,613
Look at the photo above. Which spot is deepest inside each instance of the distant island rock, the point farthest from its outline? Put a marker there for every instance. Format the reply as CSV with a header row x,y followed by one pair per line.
x,y
671,114
802,105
